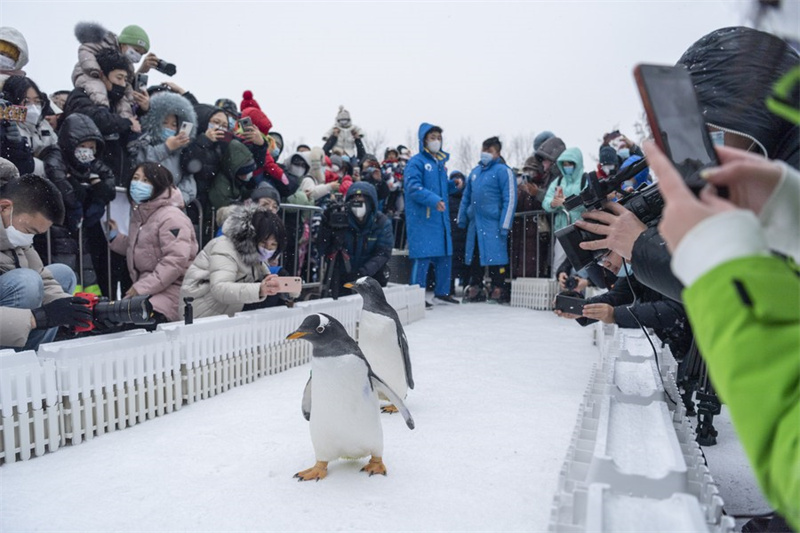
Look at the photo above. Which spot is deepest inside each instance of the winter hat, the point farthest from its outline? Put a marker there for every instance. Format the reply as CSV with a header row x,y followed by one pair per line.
x,y
260,120
248,101
135,36
531,164
265,190
388,151
336,161
247,168
608,156
8,171
110,60
227,105
542,137
551,149
343,114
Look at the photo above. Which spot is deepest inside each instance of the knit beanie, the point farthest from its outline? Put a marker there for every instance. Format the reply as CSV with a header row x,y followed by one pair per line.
x,y
135,36
608,156
248,101
259,118
343,114
110,60
265,190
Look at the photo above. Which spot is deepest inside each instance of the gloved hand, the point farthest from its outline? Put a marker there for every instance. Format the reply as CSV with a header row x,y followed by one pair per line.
x,y
70,312
13,134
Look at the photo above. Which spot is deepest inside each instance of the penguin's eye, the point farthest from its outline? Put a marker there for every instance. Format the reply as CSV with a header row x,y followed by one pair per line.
x,y
320,329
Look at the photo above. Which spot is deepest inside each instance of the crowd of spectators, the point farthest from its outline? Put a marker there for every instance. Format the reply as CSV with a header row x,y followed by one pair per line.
x,y
219,174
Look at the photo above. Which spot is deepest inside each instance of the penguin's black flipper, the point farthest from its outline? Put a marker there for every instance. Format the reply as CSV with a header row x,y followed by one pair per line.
x,y
403,341
306,406
380,386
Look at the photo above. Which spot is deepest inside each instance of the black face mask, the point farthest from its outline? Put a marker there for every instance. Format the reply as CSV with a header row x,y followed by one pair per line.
x,y
117,92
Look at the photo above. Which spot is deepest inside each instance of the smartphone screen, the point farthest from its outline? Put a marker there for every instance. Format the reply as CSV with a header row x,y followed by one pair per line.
x,y
676,120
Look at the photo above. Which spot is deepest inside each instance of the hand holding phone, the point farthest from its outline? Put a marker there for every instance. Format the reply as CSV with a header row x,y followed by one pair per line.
x,y
245,123
186,128
289,284
570,304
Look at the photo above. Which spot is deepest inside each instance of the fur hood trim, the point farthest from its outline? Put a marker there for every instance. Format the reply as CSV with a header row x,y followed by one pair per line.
x,y
163,104
90,32
239,229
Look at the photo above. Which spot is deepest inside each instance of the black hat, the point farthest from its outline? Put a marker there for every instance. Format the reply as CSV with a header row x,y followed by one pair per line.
x,y
265,190
227,105
608,156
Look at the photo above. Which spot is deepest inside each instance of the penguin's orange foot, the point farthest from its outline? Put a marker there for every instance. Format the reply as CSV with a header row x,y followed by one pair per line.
x,y
375,466
316,472
391,409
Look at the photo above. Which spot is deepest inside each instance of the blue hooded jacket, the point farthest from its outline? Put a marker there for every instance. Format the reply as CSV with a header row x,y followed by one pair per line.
x,y
570,185
425,185
487,210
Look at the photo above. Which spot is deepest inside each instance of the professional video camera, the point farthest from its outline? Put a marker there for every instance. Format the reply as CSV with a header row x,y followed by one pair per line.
x,y
336,213
646,203
137,310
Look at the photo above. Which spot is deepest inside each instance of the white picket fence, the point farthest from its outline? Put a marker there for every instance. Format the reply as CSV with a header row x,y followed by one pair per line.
x,y
633,463
75,390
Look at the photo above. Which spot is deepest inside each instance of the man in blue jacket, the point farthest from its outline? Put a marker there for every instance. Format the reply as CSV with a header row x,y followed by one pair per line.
x,y
487,211
428,214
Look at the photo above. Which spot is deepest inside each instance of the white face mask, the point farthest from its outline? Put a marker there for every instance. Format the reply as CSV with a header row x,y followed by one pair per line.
x,y
133,55
84,155
6,63
34,113
608,169
15,236
359,212
297,170
434,146
265,254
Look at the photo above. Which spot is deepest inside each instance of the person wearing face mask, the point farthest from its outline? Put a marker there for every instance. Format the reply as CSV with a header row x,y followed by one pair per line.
x,y
23,91
132,43
117,130
344,137
530,250
487,211
86,186
34,300
234,181
163,141
572,181
608,163
160,244
234,272
368,239
426,188
13,53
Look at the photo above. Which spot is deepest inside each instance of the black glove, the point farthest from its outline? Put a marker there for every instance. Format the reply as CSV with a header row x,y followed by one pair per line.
x,y
70,311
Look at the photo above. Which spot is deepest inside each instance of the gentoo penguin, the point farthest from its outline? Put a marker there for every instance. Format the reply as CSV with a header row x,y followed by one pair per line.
x,y
341,399
382,339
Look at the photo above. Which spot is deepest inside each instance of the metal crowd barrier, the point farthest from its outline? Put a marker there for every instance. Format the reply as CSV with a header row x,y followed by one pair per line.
x,y
531,221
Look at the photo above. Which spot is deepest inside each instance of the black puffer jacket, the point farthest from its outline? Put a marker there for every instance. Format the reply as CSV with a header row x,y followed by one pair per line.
x,y
652,261
202,157
734,71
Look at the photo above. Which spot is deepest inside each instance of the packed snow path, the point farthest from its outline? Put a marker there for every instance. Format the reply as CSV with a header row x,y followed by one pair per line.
x,y
497,395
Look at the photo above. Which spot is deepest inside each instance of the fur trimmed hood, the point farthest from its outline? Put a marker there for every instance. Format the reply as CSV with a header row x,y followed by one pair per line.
x,y
91,32
239,229
163,104
13,36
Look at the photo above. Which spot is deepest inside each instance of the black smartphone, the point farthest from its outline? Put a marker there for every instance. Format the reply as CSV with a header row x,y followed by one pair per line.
x,y
140,83
245,122
570,304
676,121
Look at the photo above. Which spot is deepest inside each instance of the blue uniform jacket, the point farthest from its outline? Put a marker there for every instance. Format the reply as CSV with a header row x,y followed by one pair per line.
x,y
487,210
425,185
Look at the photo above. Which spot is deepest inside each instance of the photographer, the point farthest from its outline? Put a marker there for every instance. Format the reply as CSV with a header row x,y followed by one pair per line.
x,y
34,300
743,300
365,239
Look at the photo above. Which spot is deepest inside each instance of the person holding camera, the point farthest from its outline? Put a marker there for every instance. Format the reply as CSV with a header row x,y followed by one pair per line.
x,y
356,237
34,300
233,272
571,181
167,129
487,211
160,244
426,188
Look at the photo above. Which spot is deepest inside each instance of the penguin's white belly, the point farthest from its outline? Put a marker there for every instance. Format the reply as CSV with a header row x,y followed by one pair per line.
x,y
377,338
345,417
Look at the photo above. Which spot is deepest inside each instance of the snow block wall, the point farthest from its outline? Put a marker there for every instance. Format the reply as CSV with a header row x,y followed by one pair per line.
x,y
75,390
633,460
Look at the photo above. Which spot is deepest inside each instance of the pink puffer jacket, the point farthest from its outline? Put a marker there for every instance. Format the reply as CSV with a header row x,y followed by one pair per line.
x,y
159,249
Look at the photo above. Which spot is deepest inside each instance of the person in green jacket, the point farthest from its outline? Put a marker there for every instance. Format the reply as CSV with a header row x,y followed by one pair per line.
x,y
744,302
233,183
572,181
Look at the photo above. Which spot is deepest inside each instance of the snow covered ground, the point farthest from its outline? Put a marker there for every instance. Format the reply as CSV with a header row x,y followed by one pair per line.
x,y
496,401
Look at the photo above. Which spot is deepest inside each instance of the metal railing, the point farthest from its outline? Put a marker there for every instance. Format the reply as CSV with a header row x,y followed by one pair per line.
x,y
531,222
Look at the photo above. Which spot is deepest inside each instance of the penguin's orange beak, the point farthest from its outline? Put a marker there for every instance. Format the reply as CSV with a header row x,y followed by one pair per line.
x,y
348,285
296,335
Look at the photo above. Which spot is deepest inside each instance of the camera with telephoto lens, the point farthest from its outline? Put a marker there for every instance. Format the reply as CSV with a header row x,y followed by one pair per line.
x,y
646,203
166,68
336,213
137,310
571,283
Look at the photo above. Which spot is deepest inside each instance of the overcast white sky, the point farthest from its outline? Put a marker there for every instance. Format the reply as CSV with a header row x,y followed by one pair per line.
x,y
477,69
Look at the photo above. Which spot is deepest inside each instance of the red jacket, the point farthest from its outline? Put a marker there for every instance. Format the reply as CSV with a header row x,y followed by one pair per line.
x,y
345,184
